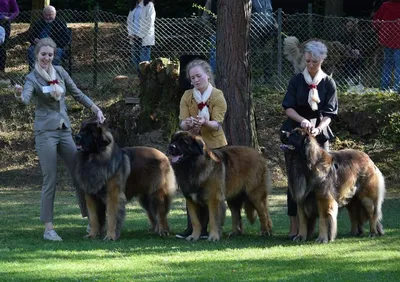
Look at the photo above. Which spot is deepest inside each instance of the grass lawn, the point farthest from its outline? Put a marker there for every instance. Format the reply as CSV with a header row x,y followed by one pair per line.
x,y
142,256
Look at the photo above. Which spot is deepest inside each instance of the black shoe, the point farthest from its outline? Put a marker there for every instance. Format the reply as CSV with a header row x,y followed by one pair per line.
x,y
184,234
204,235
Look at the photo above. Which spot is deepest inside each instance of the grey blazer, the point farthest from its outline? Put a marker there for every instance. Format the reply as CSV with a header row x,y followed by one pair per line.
x,y
48,111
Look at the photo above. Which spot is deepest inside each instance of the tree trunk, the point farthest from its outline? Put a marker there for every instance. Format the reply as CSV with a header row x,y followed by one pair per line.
x,y
233,70
40,4
334,8
37,7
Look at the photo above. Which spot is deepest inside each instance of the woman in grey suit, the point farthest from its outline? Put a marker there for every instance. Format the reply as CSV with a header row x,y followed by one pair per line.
x,y
52,127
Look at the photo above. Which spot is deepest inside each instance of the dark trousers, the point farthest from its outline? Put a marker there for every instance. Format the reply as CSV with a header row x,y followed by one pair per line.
x,y
202,213
3,54
291,204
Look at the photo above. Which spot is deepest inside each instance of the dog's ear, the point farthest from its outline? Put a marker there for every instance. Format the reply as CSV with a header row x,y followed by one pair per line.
x,y
310,150
200,145
104,137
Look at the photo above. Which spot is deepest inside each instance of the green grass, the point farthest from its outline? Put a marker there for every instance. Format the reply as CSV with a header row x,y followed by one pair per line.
x,y
142,256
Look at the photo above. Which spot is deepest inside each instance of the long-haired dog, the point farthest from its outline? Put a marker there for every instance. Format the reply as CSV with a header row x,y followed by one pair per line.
x,y
321,182
237,174
110,176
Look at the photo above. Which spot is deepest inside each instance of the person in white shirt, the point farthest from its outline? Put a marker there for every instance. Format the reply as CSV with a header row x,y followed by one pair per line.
x,y
140,24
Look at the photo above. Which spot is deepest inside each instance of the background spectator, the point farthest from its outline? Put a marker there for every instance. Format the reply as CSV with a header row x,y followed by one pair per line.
x,y
49,26
140,24
386,22
8,11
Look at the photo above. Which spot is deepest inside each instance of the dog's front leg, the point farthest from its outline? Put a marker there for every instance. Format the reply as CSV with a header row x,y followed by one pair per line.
x,y
91,203
302,234
327,210
215,223
112,207
193,210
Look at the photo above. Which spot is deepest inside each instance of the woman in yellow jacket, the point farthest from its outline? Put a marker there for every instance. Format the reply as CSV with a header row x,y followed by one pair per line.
x,y
202,111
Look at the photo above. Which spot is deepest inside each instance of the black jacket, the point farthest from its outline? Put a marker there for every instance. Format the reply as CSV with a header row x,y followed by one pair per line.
x,y
58,31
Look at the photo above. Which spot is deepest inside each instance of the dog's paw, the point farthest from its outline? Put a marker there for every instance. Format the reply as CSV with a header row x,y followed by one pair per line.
x,y
266,233
192,238
91,236
322,240
110,237
163,233
373,234
213,237
234,234
300,238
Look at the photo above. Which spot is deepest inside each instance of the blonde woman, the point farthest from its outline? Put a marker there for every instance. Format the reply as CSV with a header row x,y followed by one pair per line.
x,y
202,111
48,85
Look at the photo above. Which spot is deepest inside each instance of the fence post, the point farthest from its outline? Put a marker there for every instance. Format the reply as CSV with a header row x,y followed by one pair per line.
x,y
310,25
279,44
96,32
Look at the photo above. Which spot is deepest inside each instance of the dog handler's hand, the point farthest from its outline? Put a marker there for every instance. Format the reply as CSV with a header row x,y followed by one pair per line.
x,y
100,117
98,112
201,120
18,92
316,131
306,124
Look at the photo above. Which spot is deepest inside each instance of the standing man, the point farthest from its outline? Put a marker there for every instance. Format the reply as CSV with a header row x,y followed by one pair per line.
x,y
387,24
48,26
8,11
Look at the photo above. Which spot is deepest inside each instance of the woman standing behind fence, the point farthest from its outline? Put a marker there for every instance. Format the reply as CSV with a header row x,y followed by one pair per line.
x,y
53,136
141,31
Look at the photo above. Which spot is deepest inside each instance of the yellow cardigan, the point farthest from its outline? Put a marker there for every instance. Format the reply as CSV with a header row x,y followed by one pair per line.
x,y
217,108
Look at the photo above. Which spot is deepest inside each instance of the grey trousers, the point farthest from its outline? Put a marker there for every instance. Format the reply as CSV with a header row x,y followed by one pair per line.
x,y
49,144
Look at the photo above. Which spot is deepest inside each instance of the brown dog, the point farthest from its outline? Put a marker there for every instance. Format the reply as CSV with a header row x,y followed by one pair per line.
x,y
111,176
332,180
207,177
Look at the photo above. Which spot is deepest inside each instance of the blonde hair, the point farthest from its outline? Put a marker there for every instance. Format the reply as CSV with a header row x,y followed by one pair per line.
x,y
47,41
204,65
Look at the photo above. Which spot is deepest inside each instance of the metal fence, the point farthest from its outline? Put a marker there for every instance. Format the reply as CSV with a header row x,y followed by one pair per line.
x,y
100,49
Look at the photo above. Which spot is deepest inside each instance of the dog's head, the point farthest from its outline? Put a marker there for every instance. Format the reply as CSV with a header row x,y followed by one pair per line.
x,y
184,145
93,137
294,140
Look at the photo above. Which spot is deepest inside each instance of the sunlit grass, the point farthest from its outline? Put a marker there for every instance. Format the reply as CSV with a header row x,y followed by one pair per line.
x,y
142,256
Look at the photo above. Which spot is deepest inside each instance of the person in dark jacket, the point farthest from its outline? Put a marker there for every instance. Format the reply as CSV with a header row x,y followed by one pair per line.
x,y
49,26
310,102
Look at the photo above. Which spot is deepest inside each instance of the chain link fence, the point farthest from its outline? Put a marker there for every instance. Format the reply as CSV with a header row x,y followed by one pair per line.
x,y
98,48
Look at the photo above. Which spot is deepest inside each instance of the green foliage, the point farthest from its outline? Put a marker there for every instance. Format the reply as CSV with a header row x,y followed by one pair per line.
x,y
373,116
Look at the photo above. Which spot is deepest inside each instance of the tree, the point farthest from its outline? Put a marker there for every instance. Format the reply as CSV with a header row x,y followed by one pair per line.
x,y
233,70
334,8
39,4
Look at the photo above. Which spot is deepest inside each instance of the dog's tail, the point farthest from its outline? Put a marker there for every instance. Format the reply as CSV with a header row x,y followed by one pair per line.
x,y
292,52
380,198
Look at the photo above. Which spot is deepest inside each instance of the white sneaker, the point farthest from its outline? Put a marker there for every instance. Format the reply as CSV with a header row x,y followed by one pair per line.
x,y
51,235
